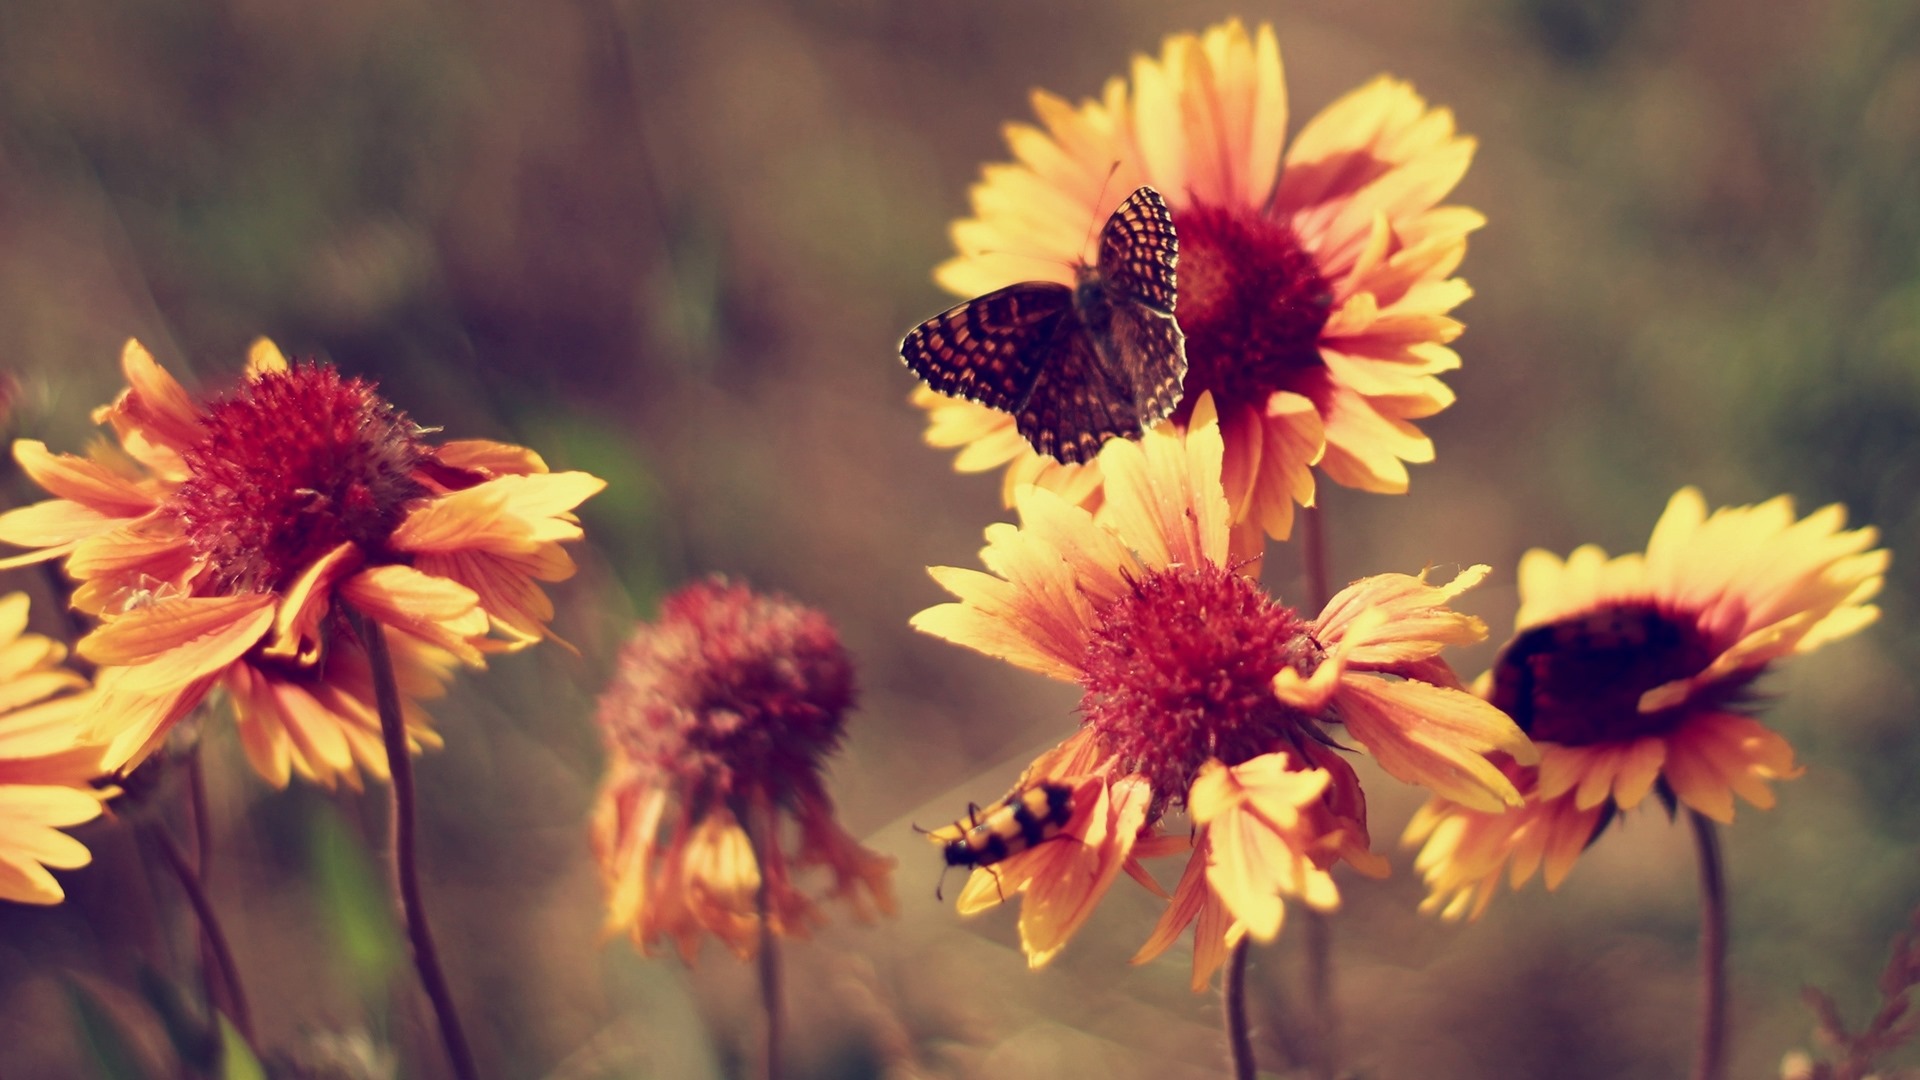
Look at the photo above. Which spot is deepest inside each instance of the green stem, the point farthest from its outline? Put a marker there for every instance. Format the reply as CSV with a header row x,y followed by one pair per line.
x,y
426,959
1712,1062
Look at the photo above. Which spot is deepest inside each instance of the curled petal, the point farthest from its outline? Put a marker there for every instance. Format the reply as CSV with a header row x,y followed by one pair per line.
x,y
1260,845
1417,624
1435,737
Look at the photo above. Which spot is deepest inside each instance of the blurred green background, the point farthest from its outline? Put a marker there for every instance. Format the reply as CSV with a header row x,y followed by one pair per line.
x,y
676,245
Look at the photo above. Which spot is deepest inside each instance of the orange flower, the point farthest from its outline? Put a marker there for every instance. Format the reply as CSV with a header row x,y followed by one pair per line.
x,y
1635,674
230,545
1315,279
1202,692
718,722
45,766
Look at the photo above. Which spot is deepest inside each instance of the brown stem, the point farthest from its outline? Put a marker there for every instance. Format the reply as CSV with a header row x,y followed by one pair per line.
x,y
202,822
1233,1001
1712,1063
761,832
1323,1039
211,969
1313,553
211,935
1323,1022
426,959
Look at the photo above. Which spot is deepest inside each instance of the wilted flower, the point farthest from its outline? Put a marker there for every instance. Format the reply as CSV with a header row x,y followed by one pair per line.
x,y
718,723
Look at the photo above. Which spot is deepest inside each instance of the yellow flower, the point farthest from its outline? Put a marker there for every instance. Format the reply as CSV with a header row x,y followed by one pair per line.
x,y
718,723
1202,692
1314,278
227,544
1635,675
45,765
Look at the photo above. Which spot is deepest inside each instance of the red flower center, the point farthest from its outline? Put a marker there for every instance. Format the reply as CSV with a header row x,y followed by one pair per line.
x,y
1181,670
1251,304
294,464
731,694
1578,681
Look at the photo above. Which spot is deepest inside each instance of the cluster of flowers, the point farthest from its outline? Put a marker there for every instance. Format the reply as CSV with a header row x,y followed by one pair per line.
x,y
1315,283
253,543
264,543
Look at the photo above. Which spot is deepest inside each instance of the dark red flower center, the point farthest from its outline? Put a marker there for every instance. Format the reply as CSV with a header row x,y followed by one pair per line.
x,y
1578,681
731,694
1251,303
1181,670
294,464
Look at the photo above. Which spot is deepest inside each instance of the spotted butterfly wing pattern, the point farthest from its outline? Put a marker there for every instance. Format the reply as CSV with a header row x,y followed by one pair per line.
x,y
1074,366
989,349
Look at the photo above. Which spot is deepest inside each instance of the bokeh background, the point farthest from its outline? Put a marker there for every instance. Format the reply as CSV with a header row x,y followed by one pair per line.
x,y
676,245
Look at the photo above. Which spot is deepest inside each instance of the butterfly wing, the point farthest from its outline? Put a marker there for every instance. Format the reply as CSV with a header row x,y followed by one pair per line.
x,y
1138,250
1077,403
1131,314
1074,366
990,349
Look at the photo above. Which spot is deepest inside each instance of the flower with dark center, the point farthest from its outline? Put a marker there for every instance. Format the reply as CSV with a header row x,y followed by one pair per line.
x,y
1314,280
718,721
231,544
1203,694
1636,675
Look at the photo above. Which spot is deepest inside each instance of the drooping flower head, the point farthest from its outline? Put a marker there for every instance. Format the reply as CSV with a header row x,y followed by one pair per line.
x,y
230,543
1314,278
1637,674
718,723
45,763
1204,694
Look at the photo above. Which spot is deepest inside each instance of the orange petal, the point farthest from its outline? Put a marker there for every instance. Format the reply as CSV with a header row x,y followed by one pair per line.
x,y
173,642
1435,737
442,612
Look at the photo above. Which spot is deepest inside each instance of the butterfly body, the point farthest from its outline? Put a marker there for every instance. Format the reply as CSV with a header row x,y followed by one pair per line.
x,y
1074,365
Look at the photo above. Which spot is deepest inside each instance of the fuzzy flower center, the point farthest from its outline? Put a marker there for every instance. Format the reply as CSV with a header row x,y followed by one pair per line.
x,y
1251,304
1181,670
1578,681
294,464
730,694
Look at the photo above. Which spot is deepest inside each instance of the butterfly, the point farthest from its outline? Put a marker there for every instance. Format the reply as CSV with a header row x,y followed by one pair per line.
x,y
1074,365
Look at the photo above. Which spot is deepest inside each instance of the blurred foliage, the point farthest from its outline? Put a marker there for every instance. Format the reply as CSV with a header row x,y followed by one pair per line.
x,y
676,244
110,1051
354,902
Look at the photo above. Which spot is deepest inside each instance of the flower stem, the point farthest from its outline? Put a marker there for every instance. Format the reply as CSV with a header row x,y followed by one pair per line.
x,y
426,959
1313,554
211,936
1234,1005
202,822
211,969
1323,1022
761,834
1712,1063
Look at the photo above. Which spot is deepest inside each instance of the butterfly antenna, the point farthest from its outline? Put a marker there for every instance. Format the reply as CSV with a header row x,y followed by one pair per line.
x,y
1027,255
1099,201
